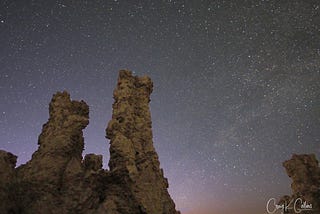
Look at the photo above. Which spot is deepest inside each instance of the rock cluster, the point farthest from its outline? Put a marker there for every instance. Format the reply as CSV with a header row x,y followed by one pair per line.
x,y
58,180
304,171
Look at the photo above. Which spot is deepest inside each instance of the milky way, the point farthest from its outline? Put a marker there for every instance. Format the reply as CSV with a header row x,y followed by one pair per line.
x,y
236,86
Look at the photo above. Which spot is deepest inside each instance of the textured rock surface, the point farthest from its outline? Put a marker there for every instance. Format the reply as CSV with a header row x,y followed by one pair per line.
x,y
132,155
60,143
7,174
58,180
304,171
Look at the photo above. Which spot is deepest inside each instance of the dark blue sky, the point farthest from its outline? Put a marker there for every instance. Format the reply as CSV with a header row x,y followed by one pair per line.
x,y
236,86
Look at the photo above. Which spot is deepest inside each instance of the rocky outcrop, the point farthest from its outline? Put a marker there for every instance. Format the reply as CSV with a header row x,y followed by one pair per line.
x,y
58,180
132,155
304,171
60,143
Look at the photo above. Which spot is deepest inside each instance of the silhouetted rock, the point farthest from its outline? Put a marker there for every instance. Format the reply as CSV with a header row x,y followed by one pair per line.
x,y
304,171
58,180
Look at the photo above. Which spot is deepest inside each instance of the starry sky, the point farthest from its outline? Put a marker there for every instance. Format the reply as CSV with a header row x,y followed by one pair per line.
x,y
236,86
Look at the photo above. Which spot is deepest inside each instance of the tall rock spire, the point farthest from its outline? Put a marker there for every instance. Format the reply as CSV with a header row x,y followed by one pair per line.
x,y
132,154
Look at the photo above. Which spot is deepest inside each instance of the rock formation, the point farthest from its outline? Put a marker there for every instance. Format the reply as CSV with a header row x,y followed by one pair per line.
x,y
304,171
132,155
58,180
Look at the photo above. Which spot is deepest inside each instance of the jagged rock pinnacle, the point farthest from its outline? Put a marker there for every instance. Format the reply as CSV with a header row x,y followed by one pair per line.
x,y
132,153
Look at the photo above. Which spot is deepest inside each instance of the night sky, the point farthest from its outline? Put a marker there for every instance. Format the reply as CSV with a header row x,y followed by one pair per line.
x,y
236,86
